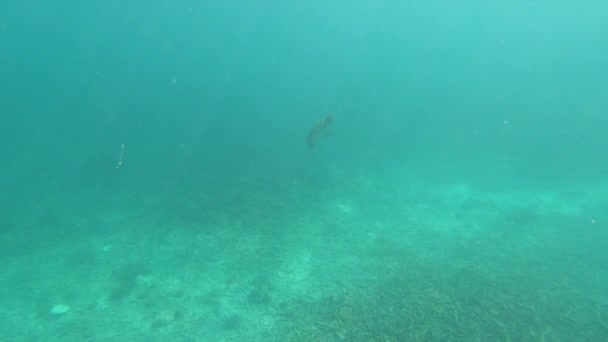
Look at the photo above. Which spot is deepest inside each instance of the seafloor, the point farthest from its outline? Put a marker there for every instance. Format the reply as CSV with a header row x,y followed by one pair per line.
x,y
347,258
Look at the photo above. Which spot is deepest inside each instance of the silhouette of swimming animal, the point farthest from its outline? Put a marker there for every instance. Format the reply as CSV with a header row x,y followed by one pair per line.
x,y
320,128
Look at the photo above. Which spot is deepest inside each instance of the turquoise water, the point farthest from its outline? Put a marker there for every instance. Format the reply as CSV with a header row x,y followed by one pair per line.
x,y
156,183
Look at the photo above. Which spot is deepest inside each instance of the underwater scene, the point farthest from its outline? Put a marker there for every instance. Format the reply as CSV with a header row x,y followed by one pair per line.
x,y
303,171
